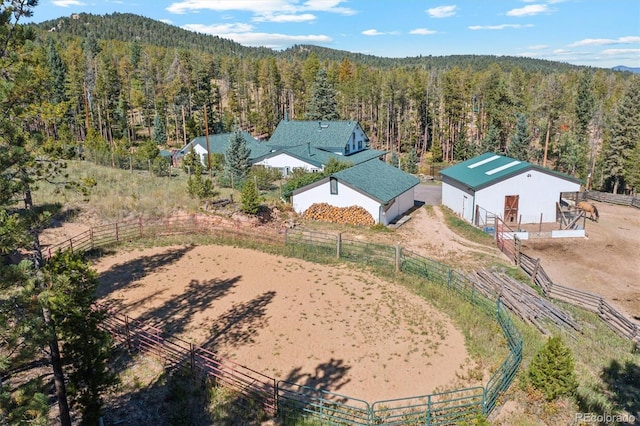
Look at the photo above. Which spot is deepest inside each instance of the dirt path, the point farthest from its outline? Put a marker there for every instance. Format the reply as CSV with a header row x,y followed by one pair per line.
x,y
310,324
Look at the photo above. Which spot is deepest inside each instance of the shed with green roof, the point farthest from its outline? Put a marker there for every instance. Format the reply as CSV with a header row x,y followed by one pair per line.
x,y
516,191
386,192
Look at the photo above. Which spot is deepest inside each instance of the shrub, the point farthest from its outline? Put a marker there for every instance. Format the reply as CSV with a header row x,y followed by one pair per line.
x,y
552,370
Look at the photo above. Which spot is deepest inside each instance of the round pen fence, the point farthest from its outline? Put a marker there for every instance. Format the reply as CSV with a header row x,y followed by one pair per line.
x,y
290,401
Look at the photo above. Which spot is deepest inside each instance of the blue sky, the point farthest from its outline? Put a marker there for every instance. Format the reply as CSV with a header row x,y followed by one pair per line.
x,y
599,33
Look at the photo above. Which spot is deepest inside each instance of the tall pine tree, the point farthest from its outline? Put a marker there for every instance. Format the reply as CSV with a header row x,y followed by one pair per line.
x,y
237,165
322,102
625,136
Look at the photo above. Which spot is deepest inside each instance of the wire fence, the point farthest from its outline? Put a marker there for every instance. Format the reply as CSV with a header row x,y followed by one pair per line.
x,y
287,400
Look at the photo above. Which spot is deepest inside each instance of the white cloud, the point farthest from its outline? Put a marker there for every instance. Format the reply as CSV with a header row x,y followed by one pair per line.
x,y
441,11
534,9
422,31
538,47
305,17
261,8
606,41
242,33
499,27
219,28
611,52
68,3
372,32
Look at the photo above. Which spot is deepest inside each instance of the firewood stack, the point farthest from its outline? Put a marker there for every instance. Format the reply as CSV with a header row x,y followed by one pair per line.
x,y
353,215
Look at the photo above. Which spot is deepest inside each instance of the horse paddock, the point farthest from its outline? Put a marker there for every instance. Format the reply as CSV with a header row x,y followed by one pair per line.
x,y
315,325
604,263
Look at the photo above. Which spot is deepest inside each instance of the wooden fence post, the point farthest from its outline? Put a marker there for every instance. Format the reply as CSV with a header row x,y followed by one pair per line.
x,y
398,257
339,245
534,274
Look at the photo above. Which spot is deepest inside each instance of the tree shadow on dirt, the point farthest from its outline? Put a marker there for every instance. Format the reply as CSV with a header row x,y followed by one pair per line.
x,y
175,315
302,393
240,324
122,275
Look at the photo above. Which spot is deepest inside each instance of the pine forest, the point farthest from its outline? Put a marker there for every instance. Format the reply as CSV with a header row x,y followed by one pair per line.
x,y
112,80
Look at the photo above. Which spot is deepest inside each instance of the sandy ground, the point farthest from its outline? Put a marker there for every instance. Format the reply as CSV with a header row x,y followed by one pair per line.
x,y
310,324
606,263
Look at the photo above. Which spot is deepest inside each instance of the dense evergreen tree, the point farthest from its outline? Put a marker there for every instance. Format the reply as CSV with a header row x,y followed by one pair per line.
x,y
159,130
520,142
35,301
625,137
322,101
236,159
552,370
250,198
410,162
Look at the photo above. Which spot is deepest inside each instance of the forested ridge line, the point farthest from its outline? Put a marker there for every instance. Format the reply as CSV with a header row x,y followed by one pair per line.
x,y
127,27
122,75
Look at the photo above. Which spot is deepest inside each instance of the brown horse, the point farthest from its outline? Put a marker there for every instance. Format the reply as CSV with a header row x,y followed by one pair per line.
x,y
589,208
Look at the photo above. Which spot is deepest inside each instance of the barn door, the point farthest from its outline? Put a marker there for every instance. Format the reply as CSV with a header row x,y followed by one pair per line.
x,y
511,208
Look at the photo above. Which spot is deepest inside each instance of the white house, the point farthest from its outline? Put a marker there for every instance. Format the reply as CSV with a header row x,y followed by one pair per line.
x,y
516,191
218,144
386,192
309,145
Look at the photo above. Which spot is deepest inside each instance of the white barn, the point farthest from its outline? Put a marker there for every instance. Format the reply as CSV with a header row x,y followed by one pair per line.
x,y
386,192
516,191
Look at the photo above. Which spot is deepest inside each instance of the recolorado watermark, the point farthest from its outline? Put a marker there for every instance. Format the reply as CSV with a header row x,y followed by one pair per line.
x,y
582,418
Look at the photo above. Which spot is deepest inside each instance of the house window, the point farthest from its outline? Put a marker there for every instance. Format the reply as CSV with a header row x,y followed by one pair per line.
x,y
347,148
333,186
359,145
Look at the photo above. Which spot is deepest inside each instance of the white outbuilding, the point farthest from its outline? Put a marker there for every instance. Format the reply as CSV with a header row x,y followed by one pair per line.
x,y
514,190
386,192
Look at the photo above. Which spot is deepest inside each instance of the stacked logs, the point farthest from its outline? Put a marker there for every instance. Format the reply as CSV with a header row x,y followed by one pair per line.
x,y
353,215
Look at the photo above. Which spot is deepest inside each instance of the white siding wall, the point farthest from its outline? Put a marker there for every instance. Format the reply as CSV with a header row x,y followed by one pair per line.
x,y
282,161
538,193
459,200
346,197
202,152
400,205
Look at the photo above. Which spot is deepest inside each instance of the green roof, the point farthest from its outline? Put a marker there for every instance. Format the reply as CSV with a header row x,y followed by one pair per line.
x,y
377,179
219,143
489,168
320,158
328,135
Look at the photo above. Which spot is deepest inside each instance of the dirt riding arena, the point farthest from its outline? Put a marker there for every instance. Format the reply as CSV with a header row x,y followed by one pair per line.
x,y
315,325
606,263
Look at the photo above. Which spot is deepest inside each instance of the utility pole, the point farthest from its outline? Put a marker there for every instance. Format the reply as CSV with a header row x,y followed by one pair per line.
x,y
206,135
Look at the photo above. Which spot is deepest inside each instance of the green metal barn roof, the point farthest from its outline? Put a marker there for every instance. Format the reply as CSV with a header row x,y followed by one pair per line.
x,y
378,179
489,168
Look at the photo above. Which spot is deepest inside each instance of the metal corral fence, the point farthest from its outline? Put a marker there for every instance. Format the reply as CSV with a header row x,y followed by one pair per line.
x,y
618,322
604,197
290,400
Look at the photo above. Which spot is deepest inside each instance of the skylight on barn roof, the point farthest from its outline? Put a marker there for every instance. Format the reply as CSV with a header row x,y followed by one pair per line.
x,y
501,168
481,162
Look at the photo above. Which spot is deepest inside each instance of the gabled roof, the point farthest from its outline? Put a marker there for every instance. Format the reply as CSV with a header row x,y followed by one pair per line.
x,y
377,179
219,143
328,135
319,157
489,168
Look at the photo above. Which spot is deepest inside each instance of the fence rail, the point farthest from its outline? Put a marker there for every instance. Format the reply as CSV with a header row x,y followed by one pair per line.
x,y
589,301
605,197
285,399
